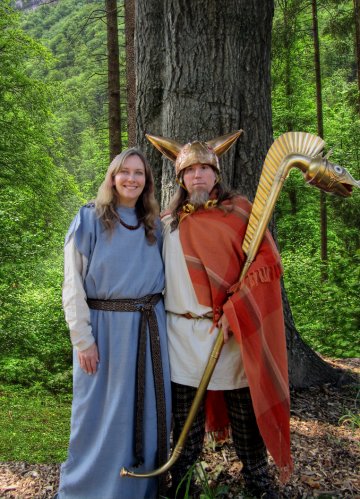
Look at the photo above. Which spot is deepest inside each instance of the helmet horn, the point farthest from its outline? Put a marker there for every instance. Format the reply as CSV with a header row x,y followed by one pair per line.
x,y
223,143
168,147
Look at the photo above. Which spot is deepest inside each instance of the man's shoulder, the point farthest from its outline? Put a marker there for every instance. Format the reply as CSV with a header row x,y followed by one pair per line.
x,y
166,219
165,214
238,201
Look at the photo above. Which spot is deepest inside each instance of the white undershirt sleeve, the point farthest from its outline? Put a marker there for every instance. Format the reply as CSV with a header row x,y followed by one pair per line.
x,y
77,313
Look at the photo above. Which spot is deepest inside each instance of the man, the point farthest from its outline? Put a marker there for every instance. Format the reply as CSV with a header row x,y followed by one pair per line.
x,y
203,235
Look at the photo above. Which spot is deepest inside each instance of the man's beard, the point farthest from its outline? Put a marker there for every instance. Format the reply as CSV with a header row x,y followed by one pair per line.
x,y
199,198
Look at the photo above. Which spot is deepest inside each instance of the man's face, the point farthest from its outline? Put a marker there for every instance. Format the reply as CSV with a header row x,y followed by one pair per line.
x,y
199,178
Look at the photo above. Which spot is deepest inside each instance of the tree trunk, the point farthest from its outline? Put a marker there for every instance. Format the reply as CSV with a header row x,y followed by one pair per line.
x,y
203,69
130,71
150,58
357,44
113,79
320,128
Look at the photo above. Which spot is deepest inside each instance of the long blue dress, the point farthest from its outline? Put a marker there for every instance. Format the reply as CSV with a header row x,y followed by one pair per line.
x,y
123,265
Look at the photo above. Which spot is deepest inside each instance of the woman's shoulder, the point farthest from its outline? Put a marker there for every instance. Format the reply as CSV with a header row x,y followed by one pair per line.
x,y
90,204
88,208
87,213
83,221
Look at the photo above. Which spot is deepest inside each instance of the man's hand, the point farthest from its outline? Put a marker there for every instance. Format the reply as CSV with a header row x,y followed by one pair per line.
x,y
224,325
88,359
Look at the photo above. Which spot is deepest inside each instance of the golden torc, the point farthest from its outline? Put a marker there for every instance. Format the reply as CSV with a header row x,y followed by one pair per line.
x,y
207,153
189,208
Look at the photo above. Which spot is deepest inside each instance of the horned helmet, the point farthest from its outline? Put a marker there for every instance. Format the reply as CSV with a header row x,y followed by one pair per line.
x,y
207,153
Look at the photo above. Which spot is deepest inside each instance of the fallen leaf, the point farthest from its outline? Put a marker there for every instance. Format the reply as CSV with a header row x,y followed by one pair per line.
x,y
314,484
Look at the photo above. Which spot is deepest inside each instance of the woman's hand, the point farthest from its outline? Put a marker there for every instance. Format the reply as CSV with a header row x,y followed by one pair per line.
x,y
88,359
224,325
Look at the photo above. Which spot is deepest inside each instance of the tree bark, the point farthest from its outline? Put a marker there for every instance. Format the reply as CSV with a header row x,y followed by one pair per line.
x,y
149,63
130,70
203,69
199,90
114,112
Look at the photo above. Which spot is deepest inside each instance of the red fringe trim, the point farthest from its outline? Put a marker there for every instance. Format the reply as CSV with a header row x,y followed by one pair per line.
x,y
264,274
219,435
285,473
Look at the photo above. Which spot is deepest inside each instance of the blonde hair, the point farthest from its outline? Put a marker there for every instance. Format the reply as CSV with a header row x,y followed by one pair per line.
x,y
147,208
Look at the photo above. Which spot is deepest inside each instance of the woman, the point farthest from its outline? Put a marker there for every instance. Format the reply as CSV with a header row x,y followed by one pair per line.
x,y
113,305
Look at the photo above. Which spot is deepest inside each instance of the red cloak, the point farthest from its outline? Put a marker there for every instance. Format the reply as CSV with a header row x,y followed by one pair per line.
x,y
211,240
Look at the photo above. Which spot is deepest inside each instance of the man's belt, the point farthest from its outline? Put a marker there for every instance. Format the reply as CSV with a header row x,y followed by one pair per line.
x,y
190,315
145,305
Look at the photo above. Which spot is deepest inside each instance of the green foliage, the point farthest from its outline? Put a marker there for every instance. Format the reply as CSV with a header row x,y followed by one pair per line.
x,y
37,194
31,183
35,340
352,418
51,159
75,33
23,99
326,313
37,425
198,475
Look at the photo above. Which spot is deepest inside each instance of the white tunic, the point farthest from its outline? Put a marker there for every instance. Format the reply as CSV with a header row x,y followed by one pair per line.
x,y
77,313
190,341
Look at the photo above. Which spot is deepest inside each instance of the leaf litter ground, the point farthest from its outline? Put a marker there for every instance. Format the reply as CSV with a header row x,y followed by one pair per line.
x,y
325,448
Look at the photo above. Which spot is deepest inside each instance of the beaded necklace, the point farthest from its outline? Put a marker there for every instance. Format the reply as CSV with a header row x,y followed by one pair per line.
x,y
127,226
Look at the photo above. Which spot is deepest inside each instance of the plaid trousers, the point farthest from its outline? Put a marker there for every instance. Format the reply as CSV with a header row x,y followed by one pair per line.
x,y
248,443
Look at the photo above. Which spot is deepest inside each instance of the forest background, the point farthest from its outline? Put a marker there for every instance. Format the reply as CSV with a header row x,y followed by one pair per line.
x,y
55,150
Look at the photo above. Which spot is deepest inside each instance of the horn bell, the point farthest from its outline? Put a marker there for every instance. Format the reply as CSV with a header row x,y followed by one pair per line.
x,y
330,177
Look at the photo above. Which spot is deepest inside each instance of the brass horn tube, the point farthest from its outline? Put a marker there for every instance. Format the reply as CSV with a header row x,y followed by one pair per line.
x,y
289,162
209,369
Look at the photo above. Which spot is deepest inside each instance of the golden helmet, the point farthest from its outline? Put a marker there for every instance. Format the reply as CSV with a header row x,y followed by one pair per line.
x,y
207,153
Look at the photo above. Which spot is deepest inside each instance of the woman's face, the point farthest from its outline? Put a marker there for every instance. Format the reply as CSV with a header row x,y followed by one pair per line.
x,y
130,181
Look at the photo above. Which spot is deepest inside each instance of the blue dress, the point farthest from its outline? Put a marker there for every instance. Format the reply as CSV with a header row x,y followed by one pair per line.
x,y
121,265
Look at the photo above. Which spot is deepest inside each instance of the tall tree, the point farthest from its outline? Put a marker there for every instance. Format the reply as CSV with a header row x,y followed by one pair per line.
x,y
130,70
113,78
357,43
283,45
203,69
320,128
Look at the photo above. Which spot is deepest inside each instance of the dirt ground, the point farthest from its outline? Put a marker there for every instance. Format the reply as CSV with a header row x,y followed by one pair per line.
x,y
326,452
